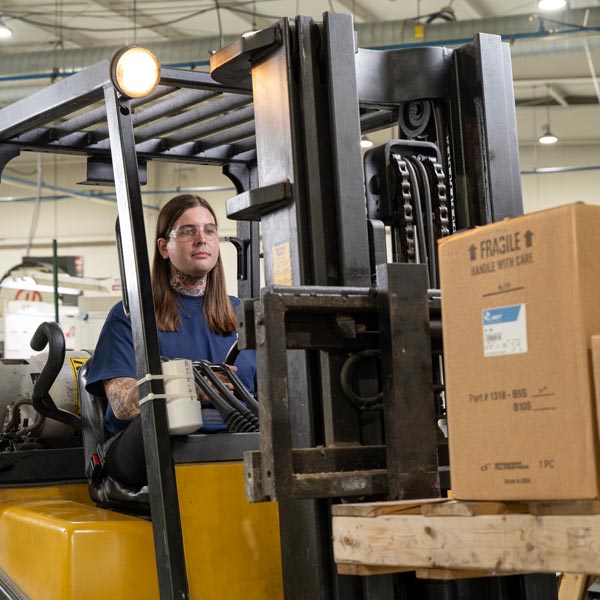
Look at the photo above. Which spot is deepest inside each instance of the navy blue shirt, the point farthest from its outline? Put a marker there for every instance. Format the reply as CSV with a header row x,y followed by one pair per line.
x,y
114,355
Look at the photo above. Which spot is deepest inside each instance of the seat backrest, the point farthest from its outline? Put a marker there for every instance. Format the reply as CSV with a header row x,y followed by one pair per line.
x,y
104,490
92,415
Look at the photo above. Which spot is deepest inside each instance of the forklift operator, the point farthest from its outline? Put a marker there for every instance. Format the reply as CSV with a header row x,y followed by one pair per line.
x,y
195,320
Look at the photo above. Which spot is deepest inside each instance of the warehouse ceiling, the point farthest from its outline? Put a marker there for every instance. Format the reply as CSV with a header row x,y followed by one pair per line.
x,y
556,56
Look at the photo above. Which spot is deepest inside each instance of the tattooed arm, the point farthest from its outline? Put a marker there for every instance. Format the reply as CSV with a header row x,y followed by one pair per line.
x,y
124,398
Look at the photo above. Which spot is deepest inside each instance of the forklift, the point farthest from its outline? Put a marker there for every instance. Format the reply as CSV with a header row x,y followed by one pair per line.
x,y
347,330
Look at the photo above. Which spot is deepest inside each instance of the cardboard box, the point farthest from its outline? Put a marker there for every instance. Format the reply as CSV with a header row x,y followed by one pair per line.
x,y
520,303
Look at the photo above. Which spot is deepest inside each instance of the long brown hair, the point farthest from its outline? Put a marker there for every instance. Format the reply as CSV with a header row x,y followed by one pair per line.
x,y
217,308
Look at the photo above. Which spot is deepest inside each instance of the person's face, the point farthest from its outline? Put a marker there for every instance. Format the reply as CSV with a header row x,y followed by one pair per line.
x,y
192,255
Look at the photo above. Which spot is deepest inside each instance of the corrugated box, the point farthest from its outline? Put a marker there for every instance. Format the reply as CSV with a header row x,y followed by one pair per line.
x,y
520,303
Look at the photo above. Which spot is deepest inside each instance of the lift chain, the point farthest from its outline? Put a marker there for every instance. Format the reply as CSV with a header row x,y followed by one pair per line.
x,y
404,216
439,199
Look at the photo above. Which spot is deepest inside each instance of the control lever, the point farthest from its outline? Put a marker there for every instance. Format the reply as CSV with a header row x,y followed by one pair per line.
x,y
237,417
232,353
238,387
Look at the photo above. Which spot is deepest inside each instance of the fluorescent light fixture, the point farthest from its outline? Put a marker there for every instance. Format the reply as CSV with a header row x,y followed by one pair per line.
x,y
25,278
547,136
5,30
365,142
551,4
29,283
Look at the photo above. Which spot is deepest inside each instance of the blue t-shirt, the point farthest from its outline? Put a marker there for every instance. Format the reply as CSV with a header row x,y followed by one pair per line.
x,y
114,355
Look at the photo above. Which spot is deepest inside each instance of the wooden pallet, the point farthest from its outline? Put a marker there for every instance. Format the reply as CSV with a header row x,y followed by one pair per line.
x,y
449,539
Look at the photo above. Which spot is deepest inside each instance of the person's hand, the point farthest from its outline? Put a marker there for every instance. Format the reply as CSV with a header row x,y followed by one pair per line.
x,y
224,379
203,398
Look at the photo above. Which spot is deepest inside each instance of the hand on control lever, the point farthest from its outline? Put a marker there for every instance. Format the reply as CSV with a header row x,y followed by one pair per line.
x,y
202,396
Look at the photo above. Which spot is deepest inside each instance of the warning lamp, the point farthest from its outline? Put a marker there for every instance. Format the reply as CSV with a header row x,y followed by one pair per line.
x,y
135,71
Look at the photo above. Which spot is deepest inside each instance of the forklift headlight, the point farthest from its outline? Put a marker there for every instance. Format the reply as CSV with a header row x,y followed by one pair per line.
x,y
135,71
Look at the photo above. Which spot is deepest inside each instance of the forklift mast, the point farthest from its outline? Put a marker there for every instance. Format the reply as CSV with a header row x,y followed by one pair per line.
x,y
350,368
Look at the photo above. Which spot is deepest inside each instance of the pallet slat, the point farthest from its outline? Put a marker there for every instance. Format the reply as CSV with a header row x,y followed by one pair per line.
x,y
367,570
376,509
452,574
455,508
490,542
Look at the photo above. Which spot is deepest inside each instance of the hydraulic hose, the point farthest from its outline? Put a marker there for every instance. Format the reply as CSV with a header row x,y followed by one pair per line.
x,y
209,371
239,388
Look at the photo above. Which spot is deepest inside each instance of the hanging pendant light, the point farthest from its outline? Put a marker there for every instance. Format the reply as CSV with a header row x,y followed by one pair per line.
x,y
551,4
365,142
547,136
5,30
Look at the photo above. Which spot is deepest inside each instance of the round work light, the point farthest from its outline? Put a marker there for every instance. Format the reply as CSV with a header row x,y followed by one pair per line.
x,y
135,71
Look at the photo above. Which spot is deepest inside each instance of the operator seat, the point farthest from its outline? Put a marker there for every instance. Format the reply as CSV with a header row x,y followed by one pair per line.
x,y
104,490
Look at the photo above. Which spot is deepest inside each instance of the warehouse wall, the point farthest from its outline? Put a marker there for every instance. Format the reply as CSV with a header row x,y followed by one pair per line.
x,y
544,190
84,226
577,150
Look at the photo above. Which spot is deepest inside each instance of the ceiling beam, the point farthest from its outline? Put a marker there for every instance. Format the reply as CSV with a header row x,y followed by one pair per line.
x,y
562,81
66,35
479,9
557,95
141,18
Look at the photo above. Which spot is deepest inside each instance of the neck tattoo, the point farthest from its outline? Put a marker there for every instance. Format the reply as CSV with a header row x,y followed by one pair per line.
x,y
187,284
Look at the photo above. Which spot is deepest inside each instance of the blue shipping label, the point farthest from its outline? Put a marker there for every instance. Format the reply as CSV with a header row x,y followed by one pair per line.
x,y
504,330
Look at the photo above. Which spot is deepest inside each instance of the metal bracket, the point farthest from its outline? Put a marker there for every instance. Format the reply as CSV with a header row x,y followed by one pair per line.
x,y
253,204
232,65
241,247
100,171
7,153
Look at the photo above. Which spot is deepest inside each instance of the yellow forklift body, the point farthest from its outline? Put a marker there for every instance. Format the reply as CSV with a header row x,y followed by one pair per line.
x,y
232,549
56,545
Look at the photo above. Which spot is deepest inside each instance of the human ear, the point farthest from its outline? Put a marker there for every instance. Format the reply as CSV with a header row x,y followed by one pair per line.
x,y
161,244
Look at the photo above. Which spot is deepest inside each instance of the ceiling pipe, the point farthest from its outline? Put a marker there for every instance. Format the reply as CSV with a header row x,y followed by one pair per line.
x,y
384,34
554,170
570,81
75,194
